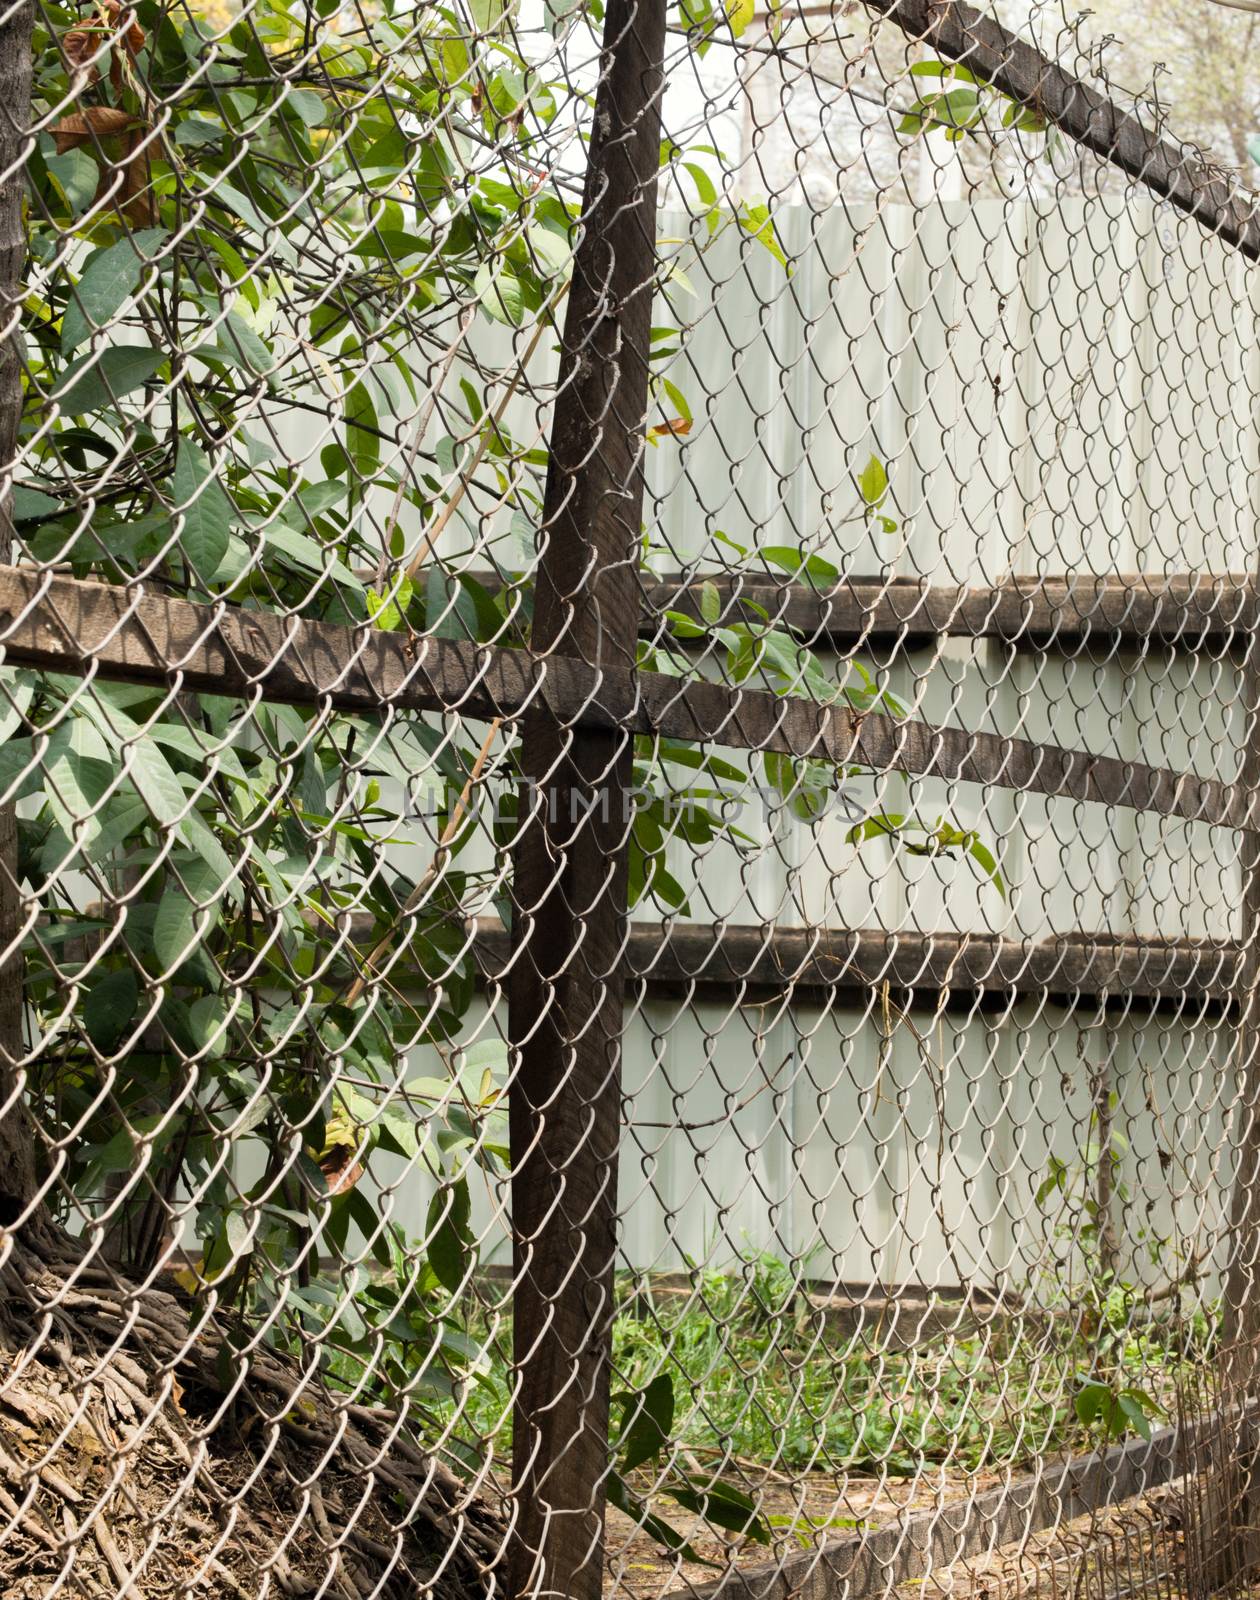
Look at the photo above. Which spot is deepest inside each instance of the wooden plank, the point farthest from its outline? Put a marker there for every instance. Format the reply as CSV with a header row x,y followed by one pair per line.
x,y
19,1140
140,636
835,965
1197,611
857,1566
571,853
822,966
962,33
1235,1539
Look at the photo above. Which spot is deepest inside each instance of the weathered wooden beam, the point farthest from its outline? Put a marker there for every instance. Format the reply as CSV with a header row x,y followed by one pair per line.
x,y
841,966
962,33
1236,1543
141,636
571,855
1197,611
836,965
18,1139
919,1543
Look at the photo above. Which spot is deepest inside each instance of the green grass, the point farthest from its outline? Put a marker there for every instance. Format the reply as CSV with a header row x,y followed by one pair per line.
x,y
760,1377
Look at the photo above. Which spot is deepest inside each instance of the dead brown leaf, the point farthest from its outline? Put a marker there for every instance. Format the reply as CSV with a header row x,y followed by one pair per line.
x,y
341,1168
100,122
135,202
138,203
132,34
80,45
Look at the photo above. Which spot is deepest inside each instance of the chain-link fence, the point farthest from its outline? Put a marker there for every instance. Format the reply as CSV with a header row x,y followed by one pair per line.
x,y
628,759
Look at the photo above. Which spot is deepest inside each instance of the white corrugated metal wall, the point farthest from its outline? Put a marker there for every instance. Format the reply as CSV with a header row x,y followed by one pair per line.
x,y
1055,388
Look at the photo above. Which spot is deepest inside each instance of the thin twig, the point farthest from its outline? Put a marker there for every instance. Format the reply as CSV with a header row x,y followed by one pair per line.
x,y
434,533
233,1584
417,438
454,823
112,1554
27,1521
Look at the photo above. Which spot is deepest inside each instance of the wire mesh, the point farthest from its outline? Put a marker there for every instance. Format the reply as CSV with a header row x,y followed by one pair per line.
x,y
627,797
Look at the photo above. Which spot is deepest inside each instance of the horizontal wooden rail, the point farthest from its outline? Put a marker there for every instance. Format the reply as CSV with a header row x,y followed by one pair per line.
x,y
142,636
818,961
1192,610
919,1543
962,33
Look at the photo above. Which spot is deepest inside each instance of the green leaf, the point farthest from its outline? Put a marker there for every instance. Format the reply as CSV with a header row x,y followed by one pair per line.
x,y
368,1219
560,13
805,784
109,279
488,15
99,380
1134,1409
307,554
1056,1181
739,13
757,221
646,1420
501,292
705,188
660,1531
724,1507
683,626
174,931
33,505
1093,1401
699,761
956,111
363,441
396,1132
552,251
1026,120
16,695
698,16
192,131
239,346
232,1244
710,603
792,559
873,481
309,106
110,1005
206,509
79,772
196,832
316,499
77,175
450,1243
387,611
666,888
450,610
981,854
945,69
206,1019
153,776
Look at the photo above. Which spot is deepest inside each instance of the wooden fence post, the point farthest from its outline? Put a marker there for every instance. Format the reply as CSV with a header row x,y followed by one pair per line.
x,y
1235,1545
570,875
1242,1282
17,1141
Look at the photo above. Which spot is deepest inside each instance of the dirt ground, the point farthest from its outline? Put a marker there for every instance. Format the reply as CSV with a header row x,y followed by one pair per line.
x,y
1149,1547
806,1511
